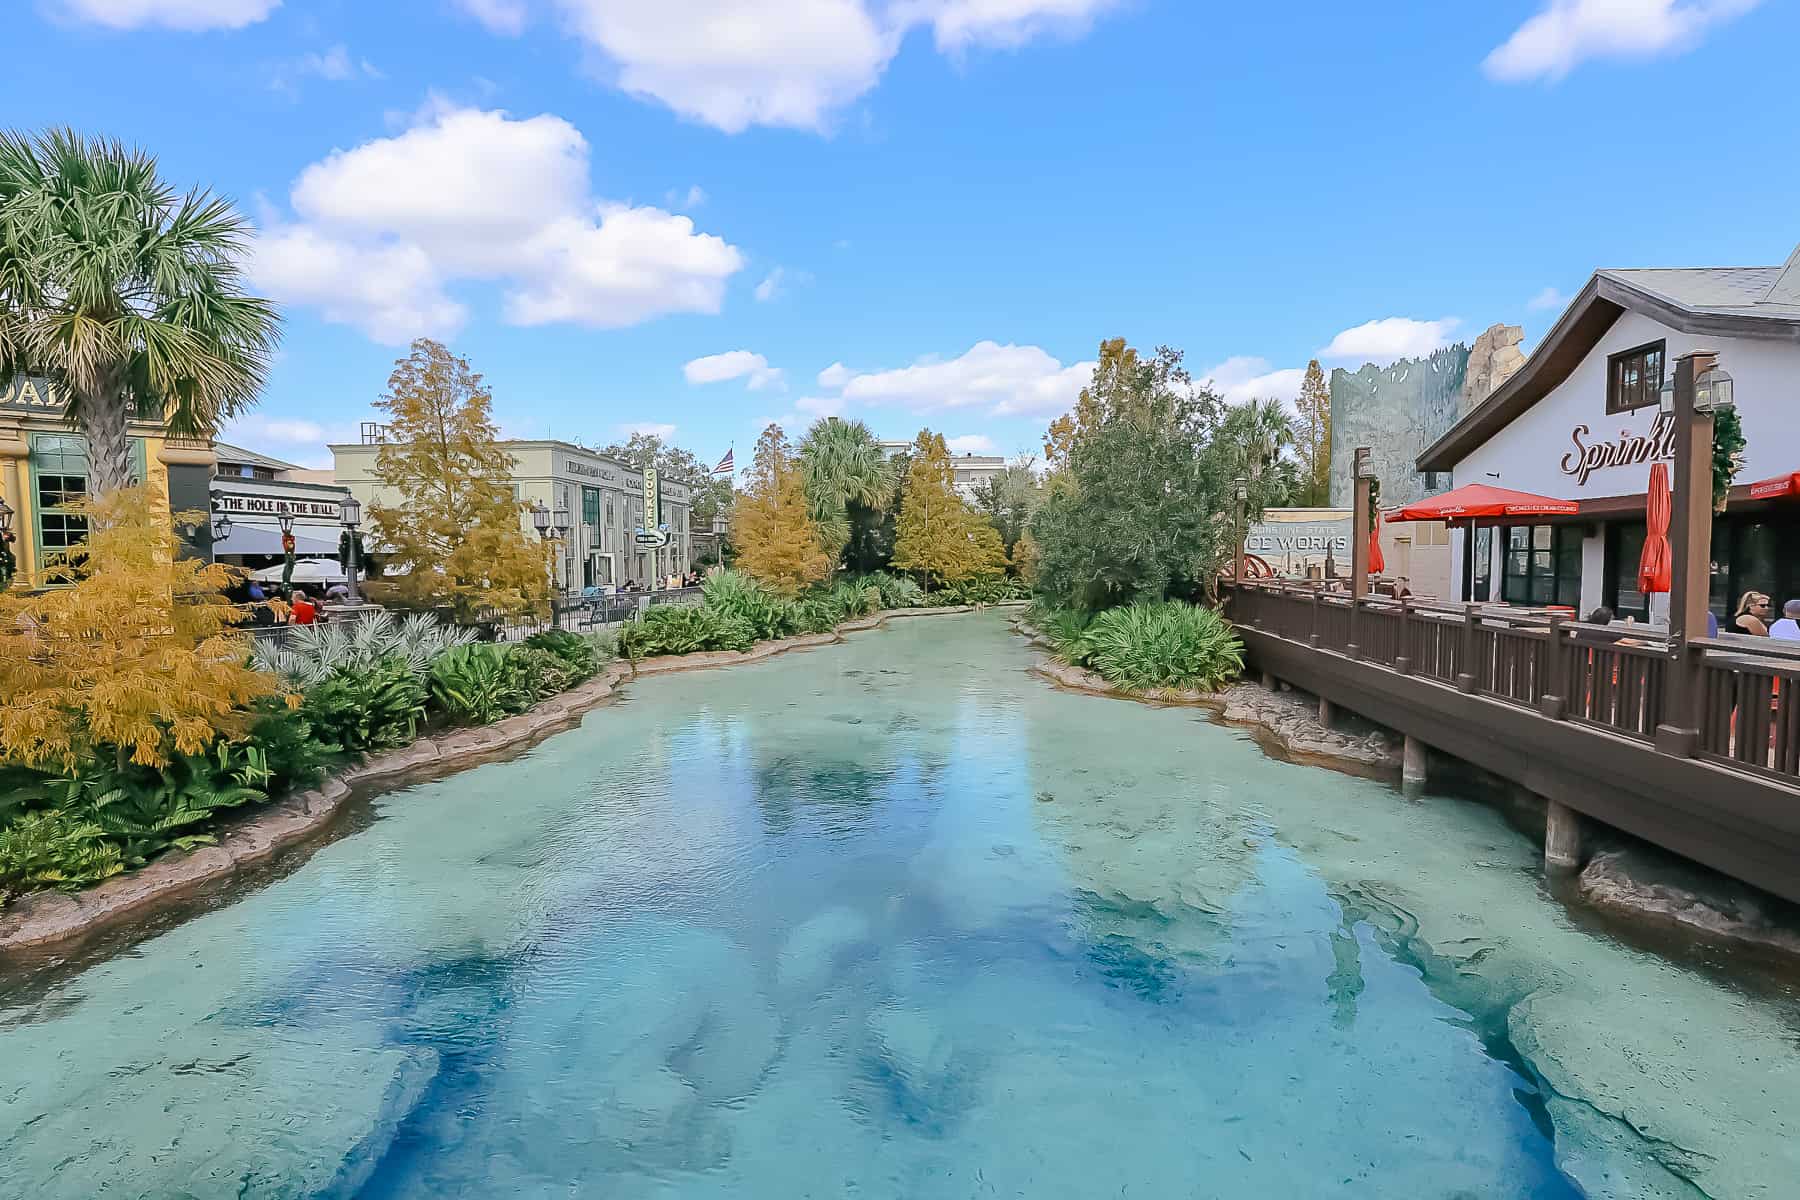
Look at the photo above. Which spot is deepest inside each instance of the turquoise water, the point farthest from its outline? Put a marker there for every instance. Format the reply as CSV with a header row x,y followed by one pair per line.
x,y
895,919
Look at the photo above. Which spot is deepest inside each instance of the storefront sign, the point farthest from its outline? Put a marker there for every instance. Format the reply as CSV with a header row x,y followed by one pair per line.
x,y
269,506
588,471
1629,450
652,499
1290,546
30,395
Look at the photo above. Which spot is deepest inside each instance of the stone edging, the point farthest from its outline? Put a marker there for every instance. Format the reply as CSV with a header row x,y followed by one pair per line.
x,y
44,918
1278,722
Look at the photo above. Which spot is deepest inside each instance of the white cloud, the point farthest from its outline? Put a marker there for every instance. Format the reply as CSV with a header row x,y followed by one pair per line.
x,y
1246,377
972,443
1390,338
189,16
835,376
792,63
820,406
334,65
296,440
505,17
648,428
770,287
472,195
1568,32
694,197
1004,380
1548,298
734,364
960,24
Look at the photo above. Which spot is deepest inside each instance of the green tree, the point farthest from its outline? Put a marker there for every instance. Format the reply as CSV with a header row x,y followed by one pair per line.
x,y
1257,434
710,494
772,530
850,485
1008,499
1144,509
938,536
1313,437
456,532
127,294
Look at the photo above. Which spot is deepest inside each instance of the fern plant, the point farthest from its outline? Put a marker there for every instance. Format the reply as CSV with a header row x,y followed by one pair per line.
x,y
1170,644
314,653
473,685
54,849
378,708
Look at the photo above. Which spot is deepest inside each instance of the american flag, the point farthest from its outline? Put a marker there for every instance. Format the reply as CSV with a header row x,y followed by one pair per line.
x,y
726,465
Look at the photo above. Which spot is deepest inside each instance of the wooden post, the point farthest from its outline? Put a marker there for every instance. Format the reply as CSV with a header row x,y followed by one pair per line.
x,y
1465,678
1359,544
1690,546
1554,700
1402,657
1313,638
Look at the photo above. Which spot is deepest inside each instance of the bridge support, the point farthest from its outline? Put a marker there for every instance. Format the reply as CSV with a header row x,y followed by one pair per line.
x,y
1326,711
1562,838
1412,761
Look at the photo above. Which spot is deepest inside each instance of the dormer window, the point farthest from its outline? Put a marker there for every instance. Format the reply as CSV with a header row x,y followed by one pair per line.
x,y
1634,378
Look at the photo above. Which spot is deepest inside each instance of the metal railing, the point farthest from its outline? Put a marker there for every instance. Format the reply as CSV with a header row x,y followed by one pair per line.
x,y
1742,694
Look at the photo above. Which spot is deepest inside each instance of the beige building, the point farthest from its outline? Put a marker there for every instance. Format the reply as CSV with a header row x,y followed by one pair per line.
x,y
604,500
972,470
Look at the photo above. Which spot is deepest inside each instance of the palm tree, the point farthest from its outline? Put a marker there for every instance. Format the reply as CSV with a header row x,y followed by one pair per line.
x,y
849,485
125,293
1259,430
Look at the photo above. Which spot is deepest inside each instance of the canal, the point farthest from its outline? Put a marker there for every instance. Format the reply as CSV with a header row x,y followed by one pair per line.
x,y
896,919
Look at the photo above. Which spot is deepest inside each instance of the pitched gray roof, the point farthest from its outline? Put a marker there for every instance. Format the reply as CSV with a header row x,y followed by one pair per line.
x,y
237,454
1772,292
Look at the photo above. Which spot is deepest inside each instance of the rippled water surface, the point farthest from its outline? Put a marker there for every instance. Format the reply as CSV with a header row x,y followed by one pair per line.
x,y
895,919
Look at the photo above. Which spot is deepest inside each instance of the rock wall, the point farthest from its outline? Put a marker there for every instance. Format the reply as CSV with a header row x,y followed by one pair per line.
x,y
1492,360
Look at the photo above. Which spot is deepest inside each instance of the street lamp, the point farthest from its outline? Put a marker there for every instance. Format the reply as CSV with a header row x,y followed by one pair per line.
x,y
6,516
1241,492
540,519
350,513
1713,390
221,524
287,522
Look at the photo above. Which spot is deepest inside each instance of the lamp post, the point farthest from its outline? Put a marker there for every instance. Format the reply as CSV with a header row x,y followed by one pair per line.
x,y
1240,491
562,526
1362,476
287,553
549,528
8,564
350,514
1699,389
221,524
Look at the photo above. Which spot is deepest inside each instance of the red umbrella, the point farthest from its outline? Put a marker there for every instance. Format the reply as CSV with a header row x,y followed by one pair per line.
x,y
1377,564
1781,485
1479,500
1656,567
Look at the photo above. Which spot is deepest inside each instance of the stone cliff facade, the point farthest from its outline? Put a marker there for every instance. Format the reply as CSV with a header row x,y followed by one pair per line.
x,y
1399,410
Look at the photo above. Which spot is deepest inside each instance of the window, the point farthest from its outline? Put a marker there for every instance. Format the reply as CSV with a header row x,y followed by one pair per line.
x,y
590,507
1542,565
1481,568
1634,378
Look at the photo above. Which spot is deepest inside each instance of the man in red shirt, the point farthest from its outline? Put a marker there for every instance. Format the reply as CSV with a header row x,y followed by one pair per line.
x,y
304,613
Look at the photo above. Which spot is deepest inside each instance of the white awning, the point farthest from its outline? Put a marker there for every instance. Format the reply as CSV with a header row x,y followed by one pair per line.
x,y
266,539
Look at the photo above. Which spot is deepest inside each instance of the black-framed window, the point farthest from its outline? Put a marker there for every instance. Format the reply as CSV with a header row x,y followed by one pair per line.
x,y
1634,378
1481,572
1541,564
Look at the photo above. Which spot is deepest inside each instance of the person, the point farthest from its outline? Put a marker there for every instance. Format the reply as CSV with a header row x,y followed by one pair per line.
x,y
304,612
1601,616
1788,628
338,592
257,595
1752,615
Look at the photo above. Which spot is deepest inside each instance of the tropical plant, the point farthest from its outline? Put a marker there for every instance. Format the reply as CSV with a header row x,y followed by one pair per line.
x,y
938,536
126,294
312,653
456,530
1007,499
895,591
54,849
144,810
736,594
581,656
682,629
850,484
1170,644
535,673
139,653
984,589
292,753
772,530
1257,433
1065,629
379,707
474,685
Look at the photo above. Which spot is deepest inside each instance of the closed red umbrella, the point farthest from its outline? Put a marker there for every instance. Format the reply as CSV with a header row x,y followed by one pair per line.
x,y
1656,566
1377,564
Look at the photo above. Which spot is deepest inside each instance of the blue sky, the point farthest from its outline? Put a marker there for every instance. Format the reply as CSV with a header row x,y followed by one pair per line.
x,y
704,214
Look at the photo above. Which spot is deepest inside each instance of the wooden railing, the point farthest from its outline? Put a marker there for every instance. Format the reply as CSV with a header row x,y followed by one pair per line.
x,y
1742,694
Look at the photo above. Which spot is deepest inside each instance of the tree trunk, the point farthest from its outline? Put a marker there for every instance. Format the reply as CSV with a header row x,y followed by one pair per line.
x,y
106,419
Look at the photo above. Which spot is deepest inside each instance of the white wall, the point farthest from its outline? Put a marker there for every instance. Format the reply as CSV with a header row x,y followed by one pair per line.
x,y
1593,573
1529,452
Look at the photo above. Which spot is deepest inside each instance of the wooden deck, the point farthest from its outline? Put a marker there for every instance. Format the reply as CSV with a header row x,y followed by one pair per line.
x,y
1569,710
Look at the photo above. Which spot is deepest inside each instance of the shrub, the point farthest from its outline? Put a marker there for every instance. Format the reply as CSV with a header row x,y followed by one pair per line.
x,y
56,850
1065,629
293,754
536,673
377,708
896,591
1168,644
475,685
314,652
669,629
580,656
854,598
986,589
735,594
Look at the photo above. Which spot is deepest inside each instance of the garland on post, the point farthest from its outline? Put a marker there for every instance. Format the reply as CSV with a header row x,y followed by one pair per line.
x,y
1727,454
9,566
1374,503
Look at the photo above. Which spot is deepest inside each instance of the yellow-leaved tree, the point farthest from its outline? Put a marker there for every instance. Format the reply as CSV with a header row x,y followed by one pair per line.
x,y
937,535
773,532
137,654
456,533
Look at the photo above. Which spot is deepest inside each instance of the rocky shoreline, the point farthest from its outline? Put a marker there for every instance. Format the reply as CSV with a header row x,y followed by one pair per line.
x,y
46,918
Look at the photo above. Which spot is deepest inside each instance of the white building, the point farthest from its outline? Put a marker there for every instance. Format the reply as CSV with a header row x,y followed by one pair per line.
x,y
254,491
972,470
1581,420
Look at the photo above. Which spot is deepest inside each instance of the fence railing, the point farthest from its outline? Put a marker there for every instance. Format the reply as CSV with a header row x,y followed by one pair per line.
x,y
1742,694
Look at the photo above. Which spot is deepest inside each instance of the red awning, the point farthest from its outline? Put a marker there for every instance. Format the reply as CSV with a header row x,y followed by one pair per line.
x,y
1781,485
1480,500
